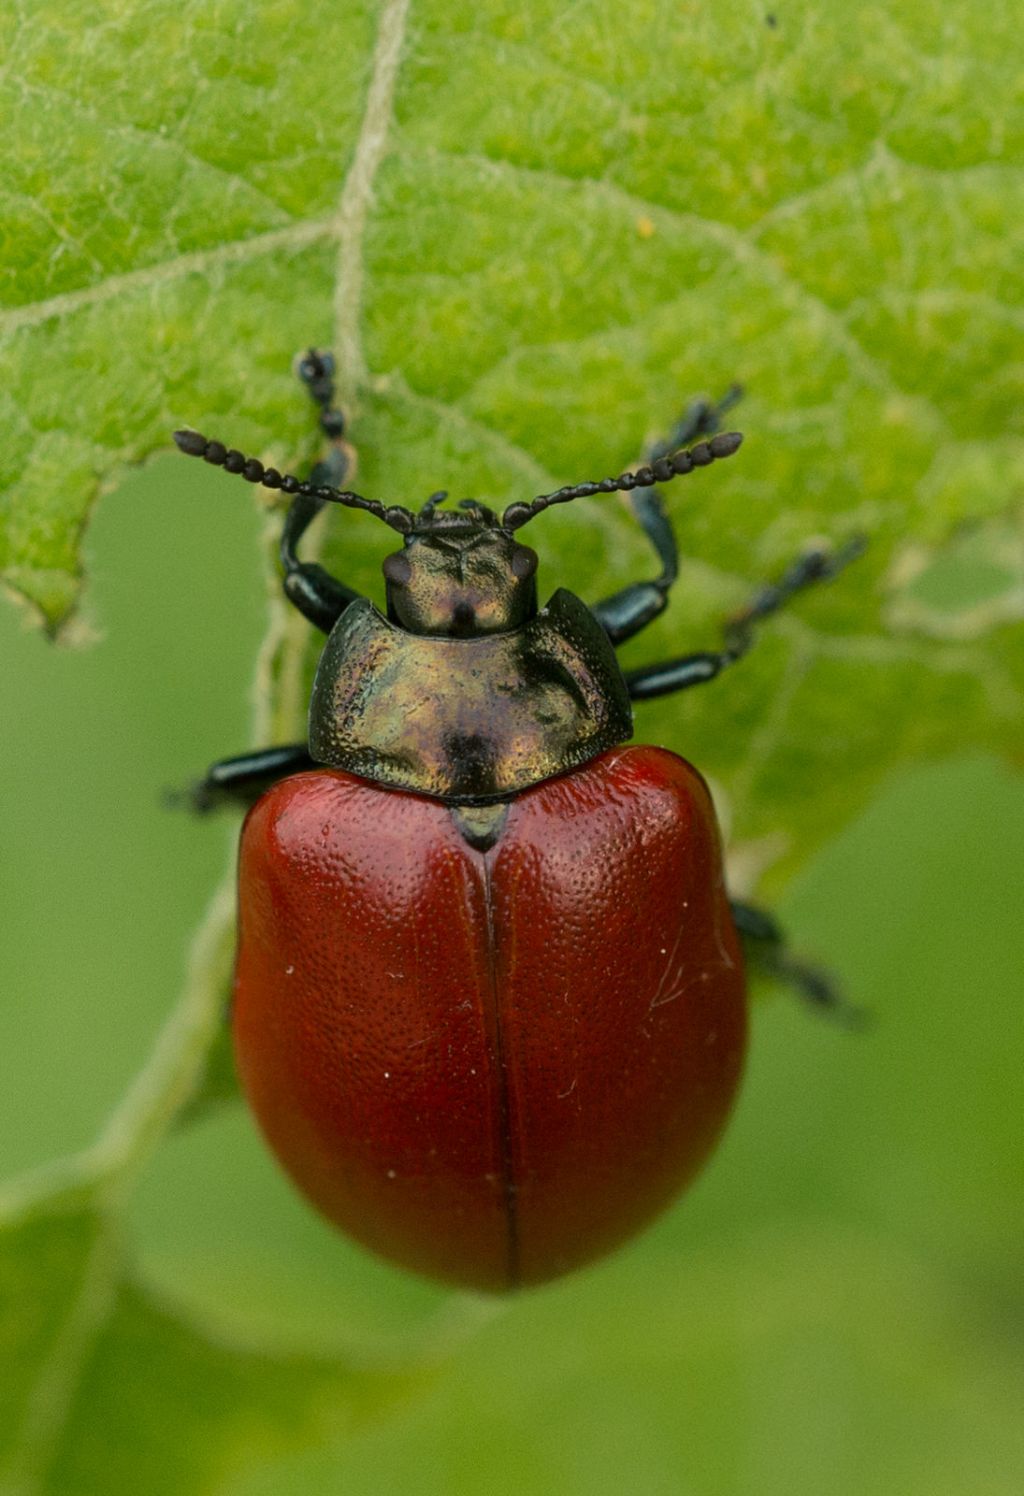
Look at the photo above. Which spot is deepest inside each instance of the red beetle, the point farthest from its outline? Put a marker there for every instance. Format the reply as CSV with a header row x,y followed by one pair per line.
x,y
489,998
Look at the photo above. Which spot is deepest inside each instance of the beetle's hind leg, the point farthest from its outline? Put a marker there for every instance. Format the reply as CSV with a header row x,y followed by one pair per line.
x,y
630,610
240,781
767,954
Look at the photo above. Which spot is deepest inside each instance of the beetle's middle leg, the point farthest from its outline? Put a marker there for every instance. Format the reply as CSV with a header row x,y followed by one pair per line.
x,y
241,780
630,610
815,565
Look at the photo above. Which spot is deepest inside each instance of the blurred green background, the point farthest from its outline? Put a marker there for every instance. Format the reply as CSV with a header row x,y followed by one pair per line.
x,y
837,1305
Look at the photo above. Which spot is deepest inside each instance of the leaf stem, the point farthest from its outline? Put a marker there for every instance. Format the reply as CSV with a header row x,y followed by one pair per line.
x,y
175,1066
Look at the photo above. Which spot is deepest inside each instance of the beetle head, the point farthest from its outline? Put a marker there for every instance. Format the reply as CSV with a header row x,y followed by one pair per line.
x,y
460,574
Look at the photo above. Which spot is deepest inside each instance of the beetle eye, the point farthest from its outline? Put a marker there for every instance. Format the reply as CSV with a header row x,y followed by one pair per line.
x,y
397,569
524,562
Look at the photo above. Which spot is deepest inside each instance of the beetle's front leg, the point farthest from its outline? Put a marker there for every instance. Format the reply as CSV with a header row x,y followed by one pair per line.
x,y
240,781
318,596
627,612
815,565
307,585
767,954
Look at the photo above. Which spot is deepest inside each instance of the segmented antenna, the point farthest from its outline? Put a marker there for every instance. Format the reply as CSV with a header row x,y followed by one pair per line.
x,y
250,468
659,471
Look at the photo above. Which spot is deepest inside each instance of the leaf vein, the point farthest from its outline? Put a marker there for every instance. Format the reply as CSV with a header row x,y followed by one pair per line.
x,y
353,209
197,262
743,251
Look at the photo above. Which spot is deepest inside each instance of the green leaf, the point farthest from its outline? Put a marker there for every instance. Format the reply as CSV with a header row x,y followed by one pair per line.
x,y
109,1390
530,233
759,1369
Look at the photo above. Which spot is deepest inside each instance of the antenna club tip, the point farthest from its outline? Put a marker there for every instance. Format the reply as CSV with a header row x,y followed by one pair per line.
x,y
191,443
725,443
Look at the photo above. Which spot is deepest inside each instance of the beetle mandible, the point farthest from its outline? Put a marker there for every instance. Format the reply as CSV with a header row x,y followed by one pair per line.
x,y
489,1003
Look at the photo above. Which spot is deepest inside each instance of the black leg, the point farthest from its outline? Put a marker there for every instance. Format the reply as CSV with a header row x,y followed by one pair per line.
x,y
693,669
767,955
318,596
630,610
242,780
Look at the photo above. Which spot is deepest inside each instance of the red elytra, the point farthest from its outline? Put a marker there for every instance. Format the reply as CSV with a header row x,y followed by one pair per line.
x,y
490,1067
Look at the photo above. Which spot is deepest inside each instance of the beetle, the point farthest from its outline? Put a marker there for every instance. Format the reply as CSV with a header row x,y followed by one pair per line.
x,y
490,1000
